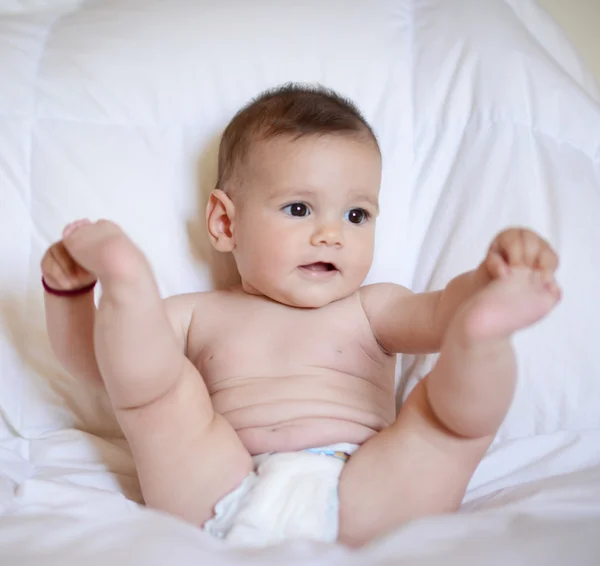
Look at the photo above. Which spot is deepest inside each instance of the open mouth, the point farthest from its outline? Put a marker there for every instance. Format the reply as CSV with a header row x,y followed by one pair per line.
x,y
319,267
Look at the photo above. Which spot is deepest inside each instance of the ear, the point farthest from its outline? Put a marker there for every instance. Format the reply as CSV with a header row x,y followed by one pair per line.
x,y
220,217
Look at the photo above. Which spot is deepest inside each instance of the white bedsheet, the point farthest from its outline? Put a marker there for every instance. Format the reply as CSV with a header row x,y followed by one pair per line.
x,y
544,510
485,117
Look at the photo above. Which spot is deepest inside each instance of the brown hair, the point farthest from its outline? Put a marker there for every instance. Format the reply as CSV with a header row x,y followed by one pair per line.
x,y
293,110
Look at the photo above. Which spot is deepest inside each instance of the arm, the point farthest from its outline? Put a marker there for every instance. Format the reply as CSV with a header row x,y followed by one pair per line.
x,y
70,325
410,323
70,320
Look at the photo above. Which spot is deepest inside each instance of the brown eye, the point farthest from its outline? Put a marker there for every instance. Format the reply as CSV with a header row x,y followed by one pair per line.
x,y
357,216
296,209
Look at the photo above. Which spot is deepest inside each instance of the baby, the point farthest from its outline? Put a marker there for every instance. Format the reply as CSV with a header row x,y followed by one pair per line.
x,y
267,411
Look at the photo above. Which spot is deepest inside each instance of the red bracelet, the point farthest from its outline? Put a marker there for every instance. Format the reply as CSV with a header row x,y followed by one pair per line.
x,y
69,292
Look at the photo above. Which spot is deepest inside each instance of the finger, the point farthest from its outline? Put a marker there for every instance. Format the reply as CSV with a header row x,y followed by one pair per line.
x,y
54,280
51,273
547,259
546,275
63,264
556,290
553,288
548,286
66,270
54,274
511,247
532,246
535,277
71,268
83,276
74,271
496,266
497,248
548,281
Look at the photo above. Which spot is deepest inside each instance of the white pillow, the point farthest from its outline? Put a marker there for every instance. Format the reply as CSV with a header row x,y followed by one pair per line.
x,y
504,136
14,7
111,110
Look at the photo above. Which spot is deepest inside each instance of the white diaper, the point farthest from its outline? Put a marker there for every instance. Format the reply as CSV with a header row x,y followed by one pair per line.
x,y
291,495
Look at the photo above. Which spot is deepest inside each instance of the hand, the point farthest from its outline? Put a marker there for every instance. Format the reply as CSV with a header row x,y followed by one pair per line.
x,y
519,247
60,270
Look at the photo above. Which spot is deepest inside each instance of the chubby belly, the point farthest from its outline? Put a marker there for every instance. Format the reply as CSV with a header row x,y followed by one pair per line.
x,y
287,413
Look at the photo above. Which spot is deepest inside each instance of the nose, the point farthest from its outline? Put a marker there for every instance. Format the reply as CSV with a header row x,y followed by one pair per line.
x,y
329,234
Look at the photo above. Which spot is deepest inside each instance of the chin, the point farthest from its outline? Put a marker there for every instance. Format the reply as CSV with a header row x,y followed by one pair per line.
x,y
313,300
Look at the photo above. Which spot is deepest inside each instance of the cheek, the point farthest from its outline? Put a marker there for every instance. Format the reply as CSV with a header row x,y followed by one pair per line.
x,y
363,242
265,241
278,231
364,251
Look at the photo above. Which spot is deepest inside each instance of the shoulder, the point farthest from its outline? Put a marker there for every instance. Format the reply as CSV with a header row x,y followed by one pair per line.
x,y
182,305
185,305
187,301
402,321
384,306
181,310
378,296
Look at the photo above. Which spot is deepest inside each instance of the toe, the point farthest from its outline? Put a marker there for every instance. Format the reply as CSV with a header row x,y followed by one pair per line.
x,y
68,229
71,227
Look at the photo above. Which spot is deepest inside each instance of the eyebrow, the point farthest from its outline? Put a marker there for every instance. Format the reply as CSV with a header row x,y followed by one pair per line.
x,y
301,193
370,201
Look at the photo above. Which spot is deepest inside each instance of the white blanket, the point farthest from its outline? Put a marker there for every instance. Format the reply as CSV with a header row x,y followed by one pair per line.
x,y
486,118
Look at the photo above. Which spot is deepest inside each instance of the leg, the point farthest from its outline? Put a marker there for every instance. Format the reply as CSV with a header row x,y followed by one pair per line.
x,y
187,457
421,465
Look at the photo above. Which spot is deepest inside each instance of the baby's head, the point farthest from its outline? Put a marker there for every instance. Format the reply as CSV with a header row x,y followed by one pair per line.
x,y
297,196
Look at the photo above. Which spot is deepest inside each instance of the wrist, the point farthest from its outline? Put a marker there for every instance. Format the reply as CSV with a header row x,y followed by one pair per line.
x,y
68,292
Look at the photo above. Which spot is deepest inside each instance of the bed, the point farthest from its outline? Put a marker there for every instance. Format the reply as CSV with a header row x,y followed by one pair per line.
x,y
486,118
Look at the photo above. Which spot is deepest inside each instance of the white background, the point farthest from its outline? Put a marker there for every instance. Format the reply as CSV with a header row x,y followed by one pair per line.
x,y
581,21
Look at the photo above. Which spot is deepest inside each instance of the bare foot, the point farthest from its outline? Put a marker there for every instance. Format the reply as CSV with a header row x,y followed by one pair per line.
x,y
103,249
511,303
472,385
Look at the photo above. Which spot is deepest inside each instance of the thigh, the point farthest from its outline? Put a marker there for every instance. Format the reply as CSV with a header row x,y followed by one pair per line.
x,y
187,456
414,468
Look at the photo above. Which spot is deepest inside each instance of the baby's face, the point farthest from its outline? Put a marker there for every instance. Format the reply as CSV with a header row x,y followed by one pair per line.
x,y
305,218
